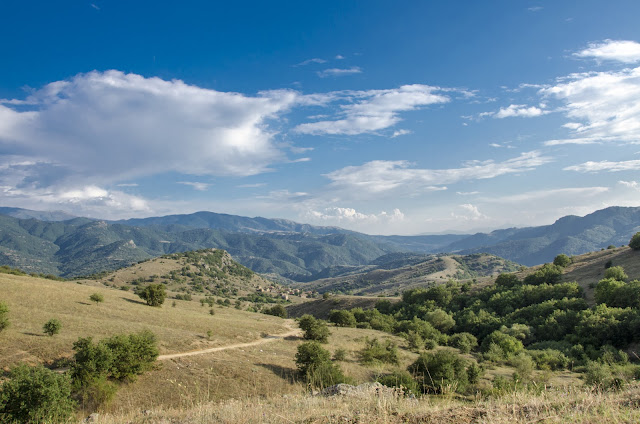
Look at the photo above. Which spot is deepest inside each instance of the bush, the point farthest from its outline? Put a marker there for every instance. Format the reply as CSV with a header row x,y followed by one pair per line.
x,y
441,372
153,294
465,342
35,395
315,366
314,329
549,359
400,379
276,310
562,260
616,272
524,366
634,243
52,327
96,297
508,344
374,351
339,355
342,318
4,316
601,377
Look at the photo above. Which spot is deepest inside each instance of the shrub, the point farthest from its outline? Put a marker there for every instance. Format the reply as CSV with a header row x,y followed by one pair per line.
x,y
315,366
153,294
4,316
276,310
96,297
400,379
415,340
34,395
562,260
465,342
374,351
339,355
524,366
634,243
342,318
509,345
601,376
314,329
616,272
52,327
440,320
441,372
549,359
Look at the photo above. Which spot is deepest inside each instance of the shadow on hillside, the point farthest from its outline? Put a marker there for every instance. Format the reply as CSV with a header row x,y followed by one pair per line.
x,y
33,334
293,338
84,303
139,302
288,374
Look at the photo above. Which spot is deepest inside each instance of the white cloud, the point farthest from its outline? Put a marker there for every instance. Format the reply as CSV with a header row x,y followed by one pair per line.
x,y
339,57
339,216
398,133
128,185
109,126
601,106
630,184
196,185
467,193
520,111
535,9
309,61
339,72
605,165
373,110
567,194
469,213
624,51
385,176
254,185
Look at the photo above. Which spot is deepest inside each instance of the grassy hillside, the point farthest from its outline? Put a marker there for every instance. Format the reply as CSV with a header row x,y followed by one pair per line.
x,y
393,273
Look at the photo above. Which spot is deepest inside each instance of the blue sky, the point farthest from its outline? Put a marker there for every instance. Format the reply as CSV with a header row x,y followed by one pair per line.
x,y
385,117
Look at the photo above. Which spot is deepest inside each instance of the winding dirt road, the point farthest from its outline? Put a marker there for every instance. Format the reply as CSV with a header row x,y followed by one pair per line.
x,y
267,339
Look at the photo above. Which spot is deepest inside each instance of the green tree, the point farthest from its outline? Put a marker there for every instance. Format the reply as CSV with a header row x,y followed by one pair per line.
x,y
4,316
374,351
616,272
508,344
277,310
314,329
96,297
440,372
342,318
52,327
465,342
36,395
153,294
315,366
562,260
634,243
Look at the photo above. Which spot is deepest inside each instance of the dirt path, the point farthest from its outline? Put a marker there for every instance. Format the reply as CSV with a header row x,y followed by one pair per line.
x,y
267,339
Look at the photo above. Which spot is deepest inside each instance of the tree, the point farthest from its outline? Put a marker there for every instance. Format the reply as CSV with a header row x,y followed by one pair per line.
x,y
52,327
36,395
562,260
314,329
277,310
4,316
96,297
634,243
616,272
315,366
441,371
342,318
153,294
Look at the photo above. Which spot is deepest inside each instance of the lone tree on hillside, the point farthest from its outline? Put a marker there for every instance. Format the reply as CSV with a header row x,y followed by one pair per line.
x,y
4,318
634,243
96,297
562,260
153,294
52,327
314,329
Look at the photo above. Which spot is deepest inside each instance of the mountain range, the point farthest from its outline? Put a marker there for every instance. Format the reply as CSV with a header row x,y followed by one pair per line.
x,y
45,242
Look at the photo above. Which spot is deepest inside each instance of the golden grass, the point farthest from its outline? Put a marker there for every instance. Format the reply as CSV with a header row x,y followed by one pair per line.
x,y
33,301
564,405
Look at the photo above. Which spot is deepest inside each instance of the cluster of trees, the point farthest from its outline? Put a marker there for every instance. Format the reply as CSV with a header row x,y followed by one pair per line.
x,y
37,394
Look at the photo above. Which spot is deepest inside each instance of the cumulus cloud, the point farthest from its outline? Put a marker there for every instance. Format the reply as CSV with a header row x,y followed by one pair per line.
x,y
520,111
340,215
468,212
624,51
339,72
605,165
116,126
601,106
398,133
384,176
372,110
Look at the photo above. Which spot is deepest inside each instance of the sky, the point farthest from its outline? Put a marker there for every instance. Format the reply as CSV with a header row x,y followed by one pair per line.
x,y
386,117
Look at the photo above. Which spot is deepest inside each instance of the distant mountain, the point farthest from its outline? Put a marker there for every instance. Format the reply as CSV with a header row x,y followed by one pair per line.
x,y
40,215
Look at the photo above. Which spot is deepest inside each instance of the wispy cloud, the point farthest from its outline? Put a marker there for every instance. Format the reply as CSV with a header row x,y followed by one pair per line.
x,y
310,61
196,185
535,8
339,72
606,166
624,51
520,111
128,185
254,185
398,133
386,176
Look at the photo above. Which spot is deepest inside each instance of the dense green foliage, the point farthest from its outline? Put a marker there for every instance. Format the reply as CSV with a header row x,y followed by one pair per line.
x,y
374,351
342,318
442,371
4,316
562,260
400,379
634,243
153,294
276,310
52,327
314,329
96,297
315,366
35,395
